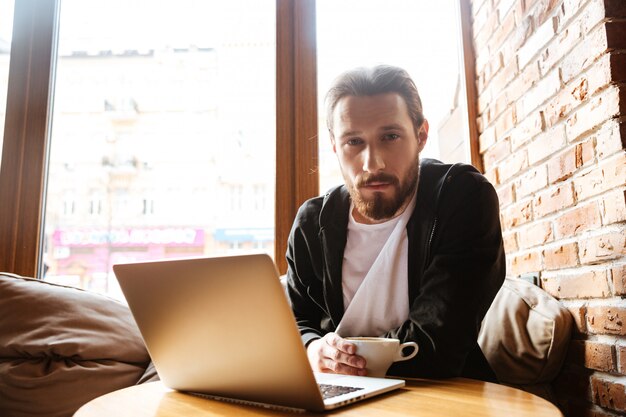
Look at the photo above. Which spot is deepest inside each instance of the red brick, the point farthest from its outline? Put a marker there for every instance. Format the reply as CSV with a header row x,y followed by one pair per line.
x,y
536,234
609,175
592,355
616,35
608,393
505,195
484,98
503,31
483,33
592,284
496,107
541,36
492,66
505,122
562,256
530,182
602,248
492,176
510,242
513,165
564,165
609,139
578,91
520,34
565,40
487,138
496,153
599,75
570,8
618,276
520,10
580,219
565,100
606,320
593,114
618,67
517,214
621,353
480,124
527,129
586,20
553,200
524,81
481,10
483,16
584,54
615,8
482,59
544,9
528,262
537,95
614,207
505,6
545,145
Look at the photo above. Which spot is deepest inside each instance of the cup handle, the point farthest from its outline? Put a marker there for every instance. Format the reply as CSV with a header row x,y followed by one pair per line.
x,y
400,357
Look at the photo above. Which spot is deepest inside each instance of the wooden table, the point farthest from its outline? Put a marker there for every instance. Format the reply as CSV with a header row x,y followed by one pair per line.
x,y
457,397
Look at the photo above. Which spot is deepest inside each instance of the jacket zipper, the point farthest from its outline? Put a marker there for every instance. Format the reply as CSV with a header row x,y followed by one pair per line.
x,y
430,241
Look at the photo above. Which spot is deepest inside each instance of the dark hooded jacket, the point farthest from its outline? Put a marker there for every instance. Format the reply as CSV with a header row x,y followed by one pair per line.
x,y
456,266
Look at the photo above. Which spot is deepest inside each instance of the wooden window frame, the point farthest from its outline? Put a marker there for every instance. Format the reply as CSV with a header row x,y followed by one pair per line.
x,y
26,131
25,150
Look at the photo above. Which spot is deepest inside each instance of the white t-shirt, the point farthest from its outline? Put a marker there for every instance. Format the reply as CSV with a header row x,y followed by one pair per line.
x,y
364,243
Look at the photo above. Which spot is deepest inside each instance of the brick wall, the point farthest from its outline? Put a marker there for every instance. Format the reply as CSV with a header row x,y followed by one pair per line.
x,y
551,80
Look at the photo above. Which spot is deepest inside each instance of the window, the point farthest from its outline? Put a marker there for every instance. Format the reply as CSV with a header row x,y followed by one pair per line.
x,y
109,122
6,27
178,108
394,32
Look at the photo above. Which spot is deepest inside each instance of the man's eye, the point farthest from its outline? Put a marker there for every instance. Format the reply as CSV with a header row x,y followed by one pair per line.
x,y
354,141
391,136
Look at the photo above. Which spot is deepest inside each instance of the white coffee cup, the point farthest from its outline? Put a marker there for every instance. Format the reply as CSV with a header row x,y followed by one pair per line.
x,y
380,353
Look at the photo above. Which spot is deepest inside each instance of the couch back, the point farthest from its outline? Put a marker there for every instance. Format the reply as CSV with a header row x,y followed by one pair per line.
x,y
61,347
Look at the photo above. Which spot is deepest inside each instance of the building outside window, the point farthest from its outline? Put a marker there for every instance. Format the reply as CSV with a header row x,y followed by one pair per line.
x,y
178,108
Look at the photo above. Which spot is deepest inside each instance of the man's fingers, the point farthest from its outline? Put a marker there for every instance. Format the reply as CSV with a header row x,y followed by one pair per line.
x,y
341,368
333,339
336,355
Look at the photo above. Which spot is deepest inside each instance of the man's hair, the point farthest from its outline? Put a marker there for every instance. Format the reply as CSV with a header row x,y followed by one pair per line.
x,y
380,79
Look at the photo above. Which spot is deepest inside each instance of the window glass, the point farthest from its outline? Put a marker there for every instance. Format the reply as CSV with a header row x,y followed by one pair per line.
x,y
6,30
163,138
420,36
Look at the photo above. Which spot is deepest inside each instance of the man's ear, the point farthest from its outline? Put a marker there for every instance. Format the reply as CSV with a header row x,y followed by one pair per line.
x,y
422,135
332,140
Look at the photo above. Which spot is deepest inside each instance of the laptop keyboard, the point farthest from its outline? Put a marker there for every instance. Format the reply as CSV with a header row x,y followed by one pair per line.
x,y
330,391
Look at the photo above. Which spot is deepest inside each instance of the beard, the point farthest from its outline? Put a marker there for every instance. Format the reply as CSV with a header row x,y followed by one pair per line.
x,y
380,207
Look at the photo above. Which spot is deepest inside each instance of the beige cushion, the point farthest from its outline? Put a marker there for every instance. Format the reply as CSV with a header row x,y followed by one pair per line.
x,y
61,347
525,334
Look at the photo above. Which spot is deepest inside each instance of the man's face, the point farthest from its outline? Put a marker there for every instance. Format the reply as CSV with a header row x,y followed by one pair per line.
x,y
378,152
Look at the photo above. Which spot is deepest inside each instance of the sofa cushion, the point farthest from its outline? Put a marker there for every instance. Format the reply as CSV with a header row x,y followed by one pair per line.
x,y
525,334
61,347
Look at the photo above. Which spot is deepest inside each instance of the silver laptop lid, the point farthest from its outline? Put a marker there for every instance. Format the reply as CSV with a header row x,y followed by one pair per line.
x,y
221,326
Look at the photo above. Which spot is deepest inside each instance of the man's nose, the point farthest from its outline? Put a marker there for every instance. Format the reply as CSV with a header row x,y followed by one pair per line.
x,y
372,160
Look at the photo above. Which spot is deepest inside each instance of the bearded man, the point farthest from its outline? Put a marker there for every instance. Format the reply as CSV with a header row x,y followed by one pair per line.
x,y
408,249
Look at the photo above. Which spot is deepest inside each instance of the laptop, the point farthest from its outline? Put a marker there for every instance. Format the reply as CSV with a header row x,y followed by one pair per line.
x,y
222,327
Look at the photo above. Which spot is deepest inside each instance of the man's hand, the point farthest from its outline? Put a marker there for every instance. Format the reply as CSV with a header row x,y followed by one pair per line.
x,y
332,354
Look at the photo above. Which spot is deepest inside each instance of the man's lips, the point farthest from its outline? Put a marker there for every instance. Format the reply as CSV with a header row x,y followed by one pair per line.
x,y
376,185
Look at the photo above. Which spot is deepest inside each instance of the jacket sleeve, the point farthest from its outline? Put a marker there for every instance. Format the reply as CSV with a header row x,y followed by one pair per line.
x,y
302,274
463,270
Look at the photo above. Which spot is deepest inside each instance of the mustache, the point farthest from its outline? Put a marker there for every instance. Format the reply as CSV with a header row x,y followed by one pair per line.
x,y
364,181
